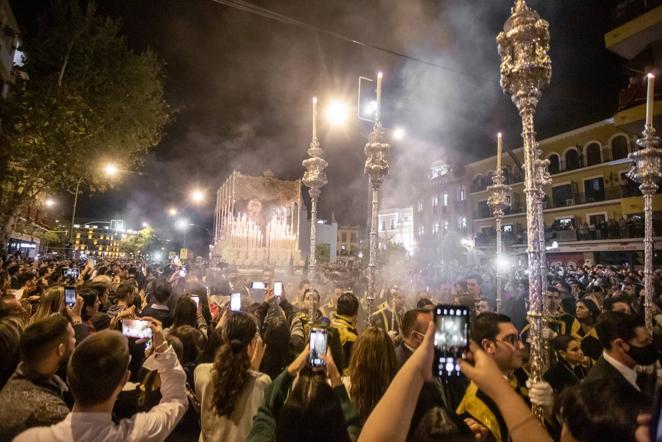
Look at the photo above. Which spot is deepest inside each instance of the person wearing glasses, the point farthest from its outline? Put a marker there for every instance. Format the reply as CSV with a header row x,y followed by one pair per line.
x,y
498,337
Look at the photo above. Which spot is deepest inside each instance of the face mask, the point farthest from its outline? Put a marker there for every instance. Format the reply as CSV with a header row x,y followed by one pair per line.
x,y
643,355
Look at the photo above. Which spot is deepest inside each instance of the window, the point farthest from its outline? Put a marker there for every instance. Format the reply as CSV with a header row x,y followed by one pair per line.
x,y
462,222
508,228
562,195
445,201
420,206
594,189
597,219
593,155
572,160
392,223
483,210
445,226
554,164
619,147
344,237
565,222
382,227
421,230
435,201
435,228
353,236
461,194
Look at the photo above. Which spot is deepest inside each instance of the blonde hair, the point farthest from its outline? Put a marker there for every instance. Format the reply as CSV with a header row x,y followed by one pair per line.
x,y
52,302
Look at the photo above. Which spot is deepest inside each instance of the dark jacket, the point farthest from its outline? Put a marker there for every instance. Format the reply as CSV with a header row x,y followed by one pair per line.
x,y
161,313
604,370
561,375
30,401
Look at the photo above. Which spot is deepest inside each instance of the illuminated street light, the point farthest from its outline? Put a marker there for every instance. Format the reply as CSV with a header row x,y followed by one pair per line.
x,y
172,211
337,112
111,169
370,108
197,196
399,133
50,202
145,224
182,224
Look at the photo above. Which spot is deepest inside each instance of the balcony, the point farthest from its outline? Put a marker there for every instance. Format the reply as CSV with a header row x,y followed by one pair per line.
x,y
635,25
627,10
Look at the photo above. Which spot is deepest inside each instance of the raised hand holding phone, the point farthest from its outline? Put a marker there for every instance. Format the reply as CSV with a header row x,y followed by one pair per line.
x,y
295,367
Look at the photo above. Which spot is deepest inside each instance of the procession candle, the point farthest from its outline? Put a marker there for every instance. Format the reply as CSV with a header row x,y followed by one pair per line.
x,y
499,150
314,118
650,99
378,111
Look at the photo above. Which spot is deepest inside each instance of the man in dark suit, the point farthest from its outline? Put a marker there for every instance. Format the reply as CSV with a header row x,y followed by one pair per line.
x,y
626,344
433,394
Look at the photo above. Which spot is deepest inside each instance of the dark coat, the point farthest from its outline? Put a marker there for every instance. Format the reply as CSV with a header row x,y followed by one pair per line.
x,y
604,370
561,375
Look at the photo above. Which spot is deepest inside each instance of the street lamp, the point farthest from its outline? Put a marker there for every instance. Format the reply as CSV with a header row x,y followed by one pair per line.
x,y
399,133
172,211
50,202
337,112
197,196
183,225
145,224
111,169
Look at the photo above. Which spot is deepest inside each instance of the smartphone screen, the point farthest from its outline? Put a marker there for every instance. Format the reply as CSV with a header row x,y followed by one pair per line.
x,y
278,288
235,302
136,328
196,299
70,296
451,338
317,347
182,272
259,285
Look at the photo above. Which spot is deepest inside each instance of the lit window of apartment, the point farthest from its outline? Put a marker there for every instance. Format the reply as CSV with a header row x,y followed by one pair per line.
x,y
435,228
445,226
462,222
435,201
445,199
420,206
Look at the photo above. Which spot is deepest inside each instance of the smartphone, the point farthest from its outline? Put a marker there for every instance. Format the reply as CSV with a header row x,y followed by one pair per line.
x,y
278,288
136,328
196,298
258,285
70,296
318,337
182,272
235,301
451,339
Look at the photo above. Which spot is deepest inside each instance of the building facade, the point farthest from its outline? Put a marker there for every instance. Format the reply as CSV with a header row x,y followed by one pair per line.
x,y
99,239
397,225
348,241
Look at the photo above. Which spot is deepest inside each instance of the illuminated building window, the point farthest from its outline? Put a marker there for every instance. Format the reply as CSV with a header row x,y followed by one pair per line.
x,y
420,206
445,199
445,226
462,222
435,201
435,228
421,230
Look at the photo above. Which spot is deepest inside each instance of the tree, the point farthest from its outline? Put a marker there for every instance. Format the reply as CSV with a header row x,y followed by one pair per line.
x,y
89,99
139,243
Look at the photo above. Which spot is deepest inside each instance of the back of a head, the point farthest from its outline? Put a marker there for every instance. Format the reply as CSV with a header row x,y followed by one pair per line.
x,y
231,364
371,368
613,325
276,336
162,291
42,337
486,326
185,313
348,305
10,338
600,410
438,425
312,412
193,342
97,367
410,320
50,303
124,290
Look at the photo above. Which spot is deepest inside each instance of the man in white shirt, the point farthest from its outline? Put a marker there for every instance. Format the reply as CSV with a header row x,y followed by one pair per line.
x,y
97,371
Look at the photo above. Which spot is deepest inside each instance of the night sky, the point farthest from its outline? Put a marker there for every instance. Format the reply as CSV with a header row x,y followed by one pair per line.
x,y
241,85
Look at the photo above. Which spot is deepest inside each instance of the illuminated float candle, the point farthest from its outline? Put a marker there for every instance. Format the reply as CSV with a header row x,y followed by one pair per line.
x,y
650,99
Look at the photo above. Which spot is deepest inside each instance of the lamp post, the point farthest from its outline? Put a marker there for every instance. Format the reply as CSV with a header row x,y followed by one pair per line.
x,y
526,69
646,170
376,167
73,211
499,200
314,178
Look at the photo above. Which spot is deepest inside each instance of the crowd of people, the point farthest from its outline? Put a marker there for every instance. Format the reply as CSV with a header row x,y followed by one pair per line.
x,y
118,349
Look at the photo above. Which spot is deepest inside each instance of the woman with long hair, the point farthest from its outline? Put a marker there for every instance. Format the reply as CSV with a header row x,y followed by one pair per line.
x,y
231,389
277,356
187,312
583,328
569,368
52,302
371,368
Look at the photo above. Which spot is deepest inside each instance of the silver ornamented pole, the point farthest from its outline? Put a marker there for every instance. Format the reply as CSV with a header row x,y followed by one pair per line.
x,y
376,167
525,70
499,200
314,178
647,171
